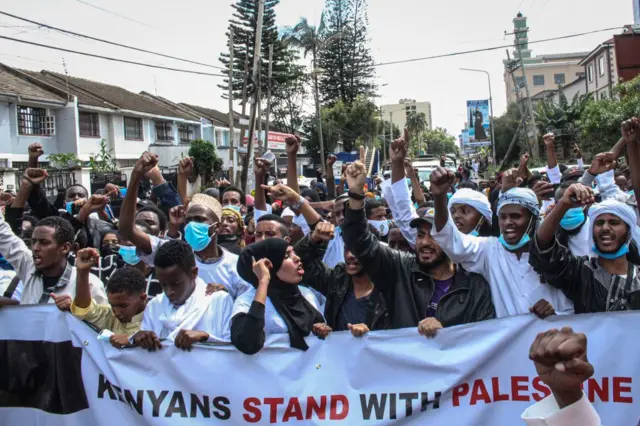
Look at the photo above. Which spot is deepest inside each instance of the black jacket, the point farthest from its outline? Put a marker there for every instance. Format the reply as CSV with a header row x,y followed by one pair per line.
x,y
584,281
406,289
334,284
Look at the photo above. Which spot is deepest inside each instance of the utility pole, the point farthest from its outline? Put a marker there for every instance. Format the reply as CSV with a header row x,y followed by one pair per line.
x,y
254,105
318,116
232,145
535,151
512,66
266,138
243,127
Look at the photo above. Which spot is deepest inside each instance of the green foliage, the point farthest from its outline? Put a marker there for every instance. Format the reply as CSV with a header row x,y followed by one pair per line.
x,y
416,125
505,128
287,103
434,142
354,125
206,161
103,161
63,161
561,119
244,23
600,120
347,61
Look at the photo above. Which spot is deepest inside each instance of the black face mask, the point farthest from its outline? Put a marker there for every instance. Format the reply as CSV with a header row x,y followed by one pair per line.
x,y
109,249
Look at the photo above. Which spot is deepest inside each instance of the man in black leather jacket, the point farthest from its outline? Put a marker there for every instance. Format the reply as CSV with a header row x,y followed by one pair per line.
x,y
426,289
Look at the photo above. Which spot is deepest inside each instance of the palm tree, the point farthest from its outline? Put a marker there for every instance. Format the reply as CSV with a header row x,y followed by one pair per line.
x,y
312,40
562,118
416,124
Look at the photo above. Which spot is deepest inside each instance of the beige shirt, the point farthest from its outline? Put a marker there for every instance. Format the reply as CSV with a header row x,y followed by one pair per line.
x,y
102,317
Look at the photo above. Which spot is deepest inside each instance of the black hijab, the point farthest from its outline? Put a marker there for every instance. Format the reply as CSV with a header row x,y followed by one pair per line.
x,y
298,314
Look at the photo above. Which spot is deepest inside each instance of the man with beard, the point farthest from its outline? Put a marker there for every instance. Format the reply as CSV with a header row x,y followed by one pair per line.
x,y
599,284
353,302
426,289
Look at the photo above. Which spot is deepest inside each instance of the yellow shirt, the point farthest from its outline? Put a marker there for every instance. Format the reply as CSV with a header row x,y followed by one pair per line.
x,y
102,317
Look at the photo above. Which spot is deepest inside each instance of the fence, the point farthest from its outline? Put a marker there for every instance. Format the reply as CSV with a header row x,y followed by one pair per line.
x,y
58,181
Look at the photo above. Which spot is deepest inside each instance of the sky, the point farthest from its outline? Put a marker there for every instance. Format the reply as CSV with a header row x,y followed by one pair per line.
x,y
398,29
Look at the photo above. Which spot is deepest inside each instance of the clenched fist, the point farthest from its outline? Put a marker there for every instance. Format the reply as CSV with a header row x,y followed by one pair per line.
x,y
323,233
441,181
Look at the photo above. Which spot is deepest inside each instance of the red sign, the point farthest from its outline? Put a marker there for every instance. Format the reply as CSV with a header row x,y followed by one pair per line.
x,y
275,141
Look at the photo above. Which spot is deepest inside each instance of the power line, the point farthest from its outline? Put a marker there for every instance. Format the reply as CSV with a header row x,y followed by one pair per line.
x,y
40,24
118,15
112,59
486,49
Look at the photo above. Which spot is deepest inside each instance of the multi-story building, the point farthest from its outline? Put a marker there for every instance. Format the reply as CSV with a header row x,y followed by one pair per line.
x,y
544,72
601,70
398,113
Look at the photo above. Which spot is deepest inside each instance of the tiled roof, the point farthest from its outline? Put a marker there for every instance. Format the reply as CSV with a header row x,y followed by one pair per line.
x,y
218,117
12,83
93,93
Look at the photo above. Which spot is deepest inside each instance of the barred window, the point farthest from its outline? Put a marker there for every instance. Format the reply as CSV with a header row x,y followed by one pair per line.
x,y
133,128
34,121
89,124
185,133
164,131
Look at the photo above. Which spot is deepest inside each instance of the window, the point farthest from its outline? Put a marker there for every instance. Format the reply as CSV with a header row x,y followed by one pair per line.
x,y
580,74
520,81
601,66
558,78
185,133
35,121
164,131
133,128
89,124
538,80
590,73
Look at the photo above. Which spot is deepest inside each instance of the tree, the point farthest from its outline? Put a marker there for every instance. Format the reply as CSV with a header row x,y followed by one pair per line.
x,y
287,104
64,161
206,161
348,62
439,142
244,23
600,121
416,124
562,119
505,127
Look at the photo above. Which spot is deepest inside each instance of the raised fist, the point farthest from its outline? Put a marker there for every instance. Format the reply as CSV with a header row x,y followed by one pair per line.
x,y
356,177
441,180
35,176
146,162
293,144
323,233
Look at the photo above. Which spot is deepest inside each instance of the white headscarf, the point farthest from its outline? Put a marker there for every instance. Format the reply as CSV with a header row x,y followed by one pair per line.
x,y
522,197
474,199
616,208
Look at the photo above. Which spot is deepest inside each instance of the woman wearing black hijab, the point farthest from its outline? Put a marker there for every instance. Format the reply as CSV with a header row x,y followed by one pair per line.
x,y
273,268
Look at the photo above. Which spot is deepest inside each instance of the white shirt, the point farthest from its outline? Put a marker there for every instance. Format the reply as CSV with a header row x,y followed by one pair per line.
x,y
335,250
515,286
211,314
399,201
273,322
580,244
220,271
547,413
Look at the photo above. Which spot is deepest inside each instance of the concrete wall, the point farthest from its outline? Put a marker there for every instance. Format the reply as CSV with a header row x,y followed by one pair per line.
x,y
89,146
600,83
67,128
129,149
169,155
548,70
5,131
20,143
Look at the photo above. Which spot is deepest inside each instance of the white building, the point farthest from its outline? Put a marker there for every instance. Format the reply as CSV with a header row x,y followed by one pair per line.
x,y
398,113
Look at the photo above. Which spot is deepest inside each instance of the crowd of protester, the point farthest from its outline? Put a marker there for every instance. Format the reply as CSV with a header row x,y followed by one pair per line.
x,y
350,254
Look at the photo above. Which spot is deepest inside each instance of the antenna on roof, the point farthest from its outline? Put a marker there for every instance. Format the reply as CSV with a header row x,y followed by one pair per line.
x,y
155,84
66,79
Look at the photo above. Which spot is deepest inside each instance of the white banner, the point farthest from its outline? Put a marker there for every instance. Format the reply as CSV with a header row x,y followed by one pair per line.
x,y
476,374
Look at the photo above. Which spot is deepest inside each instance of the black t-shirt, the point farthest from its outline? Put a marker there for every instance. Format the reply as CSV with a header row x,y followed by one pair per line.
x,y
49,283
352,311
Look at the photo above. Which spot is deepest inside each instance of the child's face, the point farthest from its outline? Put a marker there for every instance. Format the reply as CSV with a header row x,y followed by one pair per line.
x,y
125,305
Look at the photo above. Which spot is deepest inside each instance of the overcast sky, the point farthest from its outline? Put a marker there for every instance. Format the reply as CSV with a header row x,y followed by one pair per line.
x,y
399,29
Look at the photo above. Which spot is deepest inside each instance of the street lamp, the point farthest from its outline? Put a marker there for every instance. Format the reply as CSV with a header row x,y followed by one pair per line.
x,y
493,136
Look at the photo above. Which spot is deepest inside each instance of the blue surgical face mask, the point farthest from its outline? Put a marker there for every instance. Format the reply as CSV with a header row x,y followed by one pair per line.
x,y
382,226
234,208
474,233
69,207
622,251
523,241
197,235
129,255
572,219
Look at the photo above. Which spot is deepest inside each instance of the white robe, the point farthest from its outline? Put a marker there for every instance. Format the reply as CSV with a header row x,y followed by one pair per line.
x,y
211,314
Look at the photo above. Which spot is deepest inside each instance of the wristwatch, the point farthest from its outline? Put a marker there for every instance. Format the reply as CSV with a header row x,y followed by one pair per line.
x,y
296,206
355,195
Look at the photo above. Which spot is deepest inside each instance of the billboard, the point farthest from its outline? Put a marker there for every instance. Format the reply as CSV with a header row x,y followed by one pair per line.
x,y
636,12
478,124
275,141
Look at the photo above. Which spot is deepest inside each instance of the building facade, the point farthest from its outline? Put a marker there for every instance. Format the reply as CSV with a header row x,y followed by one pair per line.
x,y
398,113
543,73
601,70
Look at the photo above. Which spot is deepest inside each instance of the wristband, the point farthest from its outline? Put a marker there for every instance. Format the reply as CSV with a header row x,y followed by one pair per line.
x,y
356,196
296,206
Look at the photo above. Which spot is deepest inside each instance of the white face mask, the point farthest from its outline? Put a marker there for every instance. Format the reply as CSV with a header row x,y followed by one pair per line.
x,y
382,226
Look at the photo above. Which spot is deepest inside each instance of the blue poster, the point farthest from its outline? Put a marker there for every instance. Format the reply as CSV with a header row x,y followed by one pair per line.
x,y
478,124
